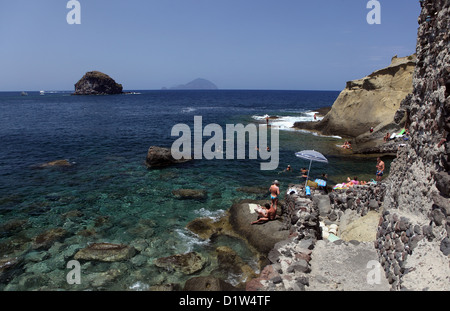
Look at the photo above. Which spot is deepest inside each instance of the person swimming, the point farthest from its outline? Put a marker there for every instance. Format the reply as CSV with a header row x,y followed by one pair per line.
x,y
304,172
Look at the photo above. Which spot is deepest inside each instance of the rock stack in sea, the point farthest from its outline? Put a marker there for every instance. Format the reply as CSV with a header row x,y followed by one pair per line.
x,y
97,83
419,183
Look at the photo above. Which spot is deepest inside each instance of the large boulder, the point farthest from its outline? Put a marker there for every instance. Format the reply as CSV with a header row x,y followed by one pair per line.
x,y
261,236
230,263
97,83
158,157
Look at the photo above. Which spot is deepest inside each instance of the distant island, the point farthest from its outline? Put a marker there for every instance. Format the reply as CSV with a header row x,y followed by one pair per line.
x,y
197,84
97,83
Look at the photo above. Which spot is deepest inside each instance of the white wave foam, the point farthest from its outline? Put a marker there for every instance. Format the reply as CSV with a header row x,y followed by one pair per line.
x,y
287,122
214,215
189,240
330,136
188,110
139,286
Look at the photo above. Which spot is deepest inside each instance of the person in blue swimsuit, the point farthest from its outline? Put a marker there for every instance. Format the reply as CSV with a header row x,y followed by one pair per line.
x,y
274,193
380,169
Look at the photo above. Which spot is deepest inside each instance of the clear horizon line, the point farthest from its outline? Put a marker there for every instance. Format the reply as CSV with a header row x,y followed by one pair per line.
x,y
176,90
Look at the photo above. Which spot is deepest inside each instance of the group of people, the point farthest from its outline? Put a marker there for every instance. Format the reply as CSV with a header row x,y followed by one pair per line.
x,y
303,171
347,145
403,134
269,211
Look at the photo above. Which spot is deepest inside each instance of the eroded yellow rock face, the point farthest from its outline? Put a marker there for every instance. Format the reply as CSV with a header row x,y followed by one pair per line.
x,y
363,229
371,101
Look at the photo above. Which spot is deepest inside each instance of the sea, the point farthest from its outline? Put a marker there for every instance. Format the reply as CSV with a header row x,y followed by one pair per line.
x,y
107,194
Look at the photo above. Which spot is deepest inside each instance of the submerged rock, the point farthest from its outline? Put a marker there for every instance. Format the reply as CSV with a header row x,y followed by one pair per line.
x,y
106,252
97,83
12,226
203,227
56,163
9,267
207,283
230,262
45,240
158,157
195,194
189,263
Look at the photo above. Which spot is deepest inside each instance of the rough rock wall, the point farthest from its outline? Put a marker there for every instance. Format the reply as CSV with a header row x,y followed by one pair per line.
x,y
419,183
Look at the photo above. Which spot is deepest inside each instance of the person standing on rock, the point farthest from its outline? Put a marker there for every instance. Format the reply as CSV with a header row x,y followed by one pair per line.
x,y
380,169
274,193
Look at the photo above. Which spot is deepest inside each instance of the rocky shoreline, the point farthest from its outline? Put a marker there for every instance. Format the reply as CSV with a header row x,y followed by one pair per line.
x,y
370,248
306,259
294,250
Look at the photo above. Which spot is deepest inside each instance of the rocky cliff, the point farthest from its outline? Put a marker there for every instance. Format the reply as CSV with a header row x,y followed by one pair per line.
x,y
368,102
97,83
417,199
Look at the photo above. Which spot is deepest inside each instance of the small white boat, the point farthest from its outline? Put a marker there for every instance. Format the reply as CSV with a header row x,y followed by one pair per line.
x,y
41,93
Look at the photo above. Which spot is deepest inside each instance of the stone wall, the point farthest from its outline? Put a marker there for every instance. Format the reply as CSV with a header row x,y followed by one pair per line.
x,y
397,238
417,197
358,198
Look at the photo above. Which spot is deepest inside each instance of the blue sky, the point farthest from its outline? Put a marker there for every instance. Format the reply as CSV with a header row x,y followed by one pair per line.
x,y
237,44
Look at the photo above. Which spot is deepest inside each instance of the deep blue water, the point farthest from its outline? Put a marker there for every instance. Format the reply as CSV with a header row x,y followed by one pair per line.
x,y
106,138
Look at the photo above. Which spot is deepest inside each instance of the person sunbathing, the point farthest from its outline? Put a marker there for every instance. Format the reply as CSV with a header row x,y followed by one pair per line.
x,y
347,145
352,182
266,214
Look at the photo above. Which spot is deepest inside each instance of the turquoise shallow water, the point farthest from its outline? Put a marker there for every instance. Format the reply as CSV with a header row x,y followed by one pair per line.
x,y
112,197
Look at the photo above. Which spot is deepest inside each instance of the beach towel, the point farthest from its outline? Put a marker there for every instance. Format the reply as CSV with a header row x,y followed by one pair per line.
x,y
340,186
252,208
321,182
332,237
